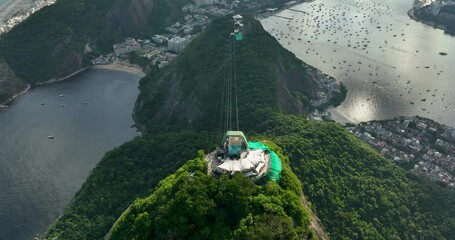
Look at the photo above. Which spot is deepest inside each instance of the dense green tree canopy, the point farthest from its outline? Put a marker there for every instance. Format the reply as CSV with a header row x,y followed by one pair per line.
x,y
357,193
188,93
193,205
52,42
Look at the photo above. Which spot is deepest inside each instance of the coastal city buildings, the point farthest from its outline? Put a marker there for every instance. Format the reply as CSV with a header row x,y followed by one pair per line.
x,y
159,39
201,3
425,146
434,7
162,47
327,87
129,45
176,44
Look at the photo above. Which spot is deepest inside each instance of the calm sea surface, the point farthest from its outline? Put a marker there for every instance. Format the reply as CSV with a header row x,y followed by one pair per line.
x,y
39,176
390,63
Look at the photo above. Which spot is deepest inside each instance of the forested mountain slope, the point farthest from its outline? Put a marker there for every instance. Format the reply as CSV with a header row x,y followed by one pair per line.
x,y
10,84
193,205
355,192
188,93
59,39
125,173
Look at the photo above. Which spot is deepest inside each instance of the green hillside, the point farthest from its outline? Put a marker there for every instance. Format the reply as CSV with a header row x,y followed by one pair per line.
x,y
187,94
124,174
355,192
53,42
444,20
193,205
10,84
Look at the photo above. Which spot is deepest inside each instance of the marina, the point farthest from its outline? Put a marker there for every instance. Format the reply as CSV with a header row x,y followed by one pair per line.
x,y
386,60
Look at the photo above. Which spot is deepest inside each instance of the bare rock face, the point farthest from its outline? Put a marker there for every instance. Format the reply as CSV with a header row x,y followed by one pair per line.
x,y
128,21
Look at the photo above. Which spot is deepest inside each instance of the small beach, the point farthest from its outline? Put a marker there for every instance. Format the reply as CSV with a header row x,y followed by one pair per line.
x,y
122,66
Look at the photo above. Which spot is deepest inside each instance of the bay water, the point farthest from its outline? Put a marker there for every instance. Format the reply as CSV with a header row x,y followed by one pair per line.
x,y
390,63
86,115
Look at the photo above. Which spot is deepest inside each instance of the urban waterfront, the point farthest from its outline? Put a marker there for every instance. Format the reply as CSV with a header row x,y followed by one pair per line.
x,y
390,63
86,116
53,136
423,146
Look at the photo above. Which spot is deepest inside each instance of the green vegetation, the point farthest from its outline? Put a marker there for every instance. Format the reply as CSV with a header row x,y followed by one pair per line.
x,y
354,190
51,43
193,205
9,83
134,58
444,18
337,99
124,174
262,75
165,12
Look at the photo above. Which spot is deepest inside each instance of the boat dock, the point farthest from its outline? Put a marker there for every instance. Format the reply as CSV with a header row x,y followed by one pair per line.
x,y
296,10
278,16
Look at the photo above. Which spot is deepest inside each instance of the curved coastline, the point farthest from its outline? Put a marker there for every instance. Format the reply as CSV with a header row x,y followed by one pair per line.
x,y
114,66
28,86
412,15
11,99
54,80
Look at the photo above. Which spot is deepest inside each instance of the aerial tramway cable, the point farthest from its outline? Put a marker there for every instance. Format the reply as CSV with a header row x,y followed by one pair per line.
x,y
222,105
229,90
229,98
235,89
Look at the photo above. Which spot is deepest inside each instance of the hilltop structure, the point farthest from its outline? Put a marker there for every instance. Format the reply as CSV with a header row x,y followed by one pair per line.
x,y
356,192
237,155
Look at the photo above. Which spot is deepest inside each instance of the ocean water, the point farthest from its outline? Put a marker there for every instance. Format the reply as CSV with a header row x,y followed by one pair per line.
x,y
39,176
390,63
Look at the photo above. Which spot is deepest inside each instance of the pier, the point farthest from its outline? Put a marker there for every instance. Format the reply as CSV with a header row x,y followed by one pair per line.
x,y
288,18
295,10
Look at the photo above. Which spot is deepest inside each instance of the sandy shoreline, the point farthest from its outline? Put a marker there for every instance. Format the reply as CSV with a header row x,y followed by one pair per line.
x,y
122,67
